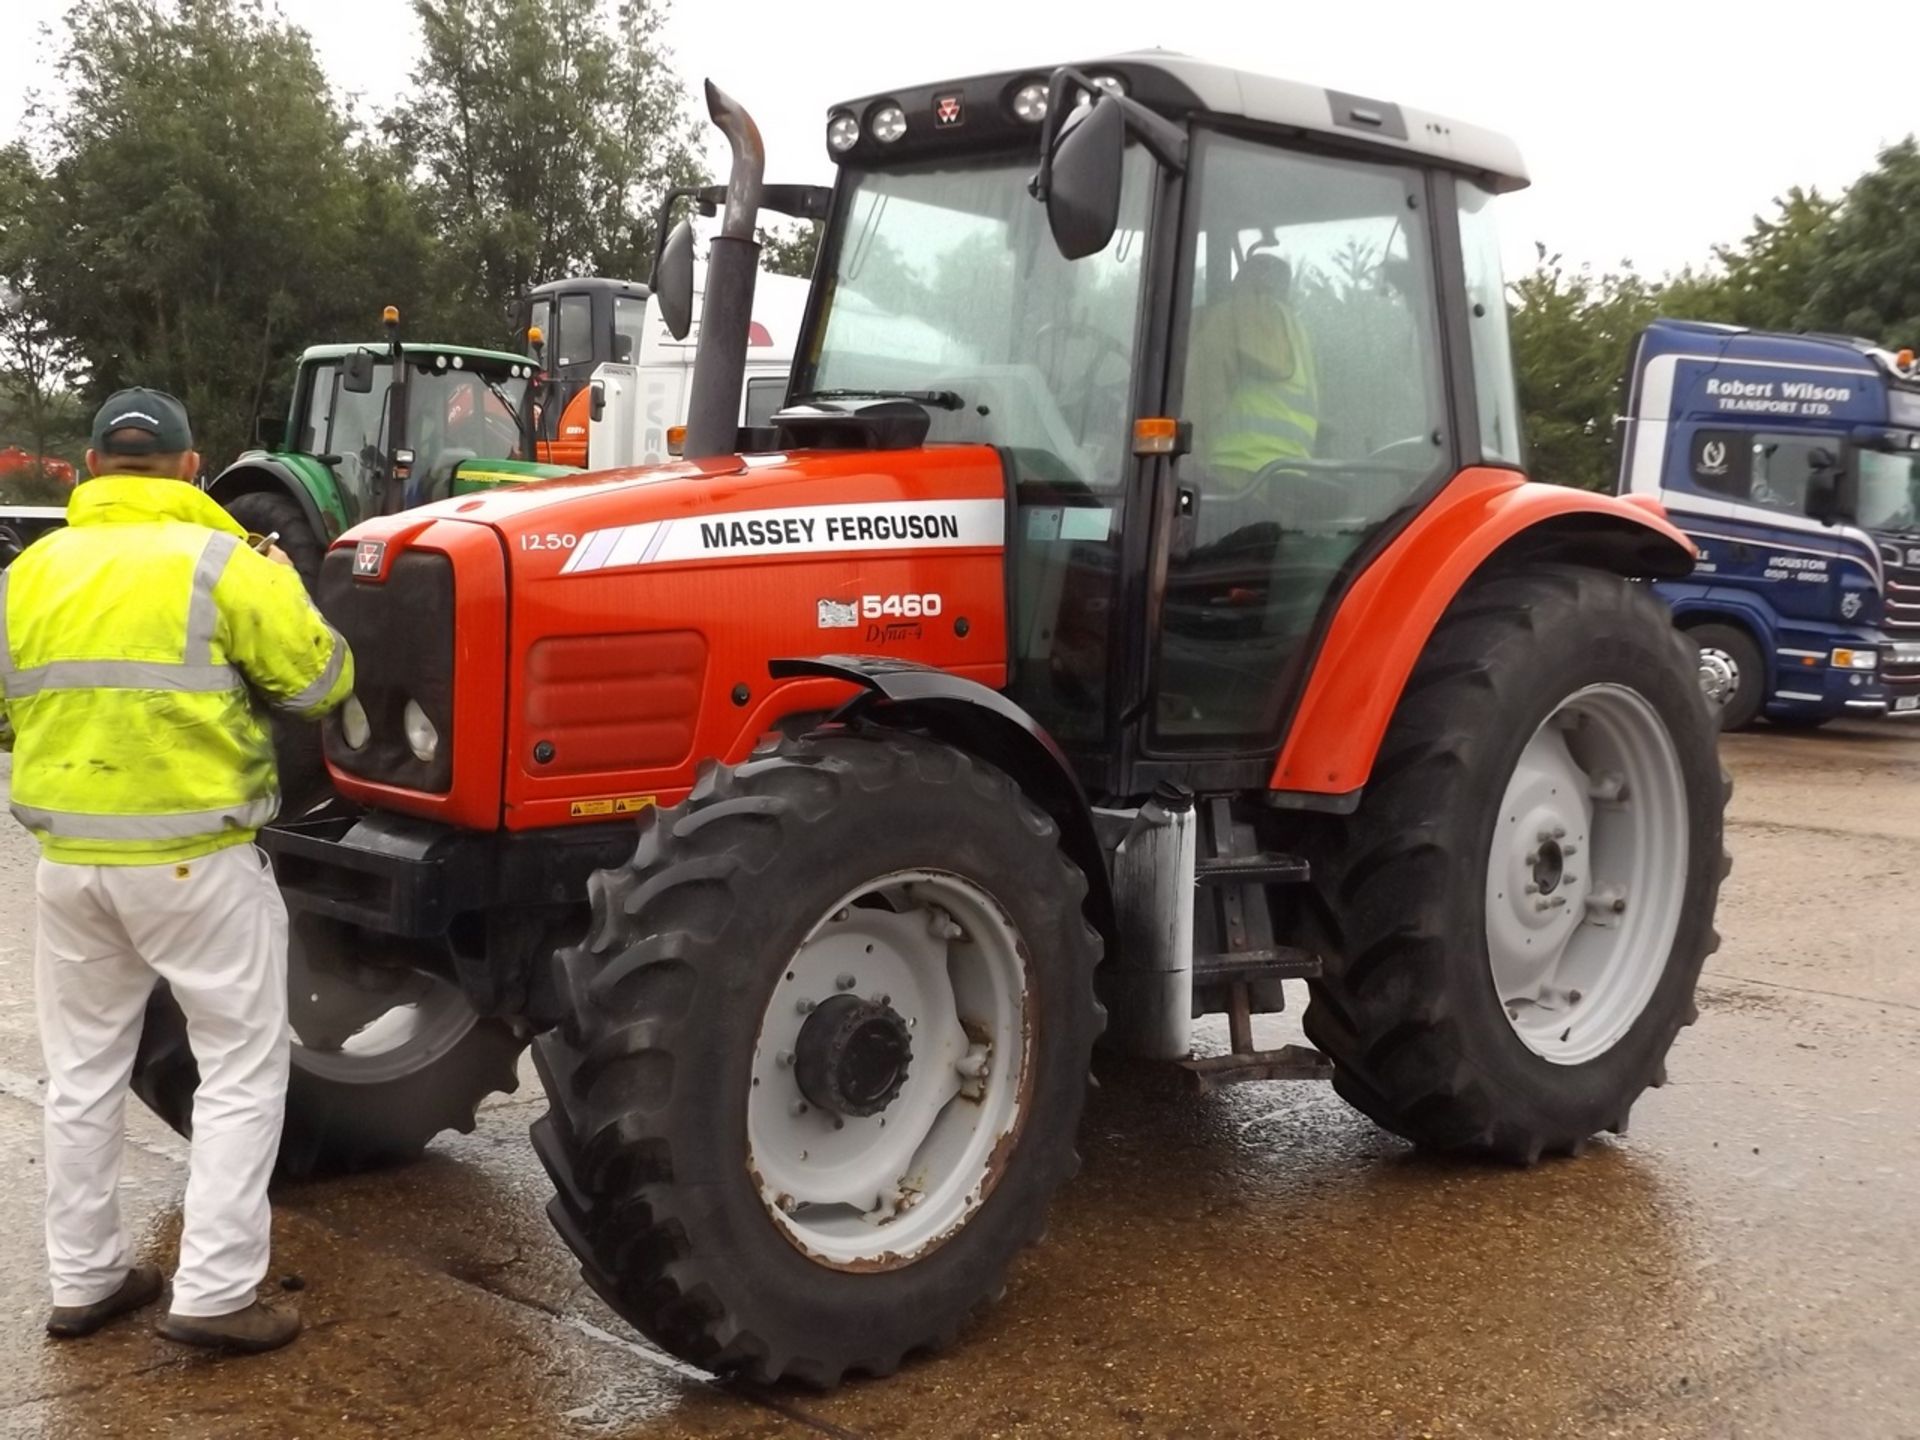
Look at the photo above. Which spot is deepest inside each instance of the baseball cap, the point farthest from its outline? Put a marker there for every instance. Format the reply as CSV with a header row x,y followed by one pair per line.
x,y
160,420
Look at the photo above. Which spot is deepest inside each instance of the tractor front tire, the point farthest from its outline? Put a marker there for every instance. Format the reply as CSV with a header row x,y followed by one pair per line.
x,y
296,743
354,1103
1514,919
824,1058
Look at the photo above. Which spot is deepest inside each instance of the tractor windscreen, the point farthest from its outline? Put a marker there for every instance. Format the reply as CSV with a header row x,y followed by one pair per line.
x,y
459,414
945,281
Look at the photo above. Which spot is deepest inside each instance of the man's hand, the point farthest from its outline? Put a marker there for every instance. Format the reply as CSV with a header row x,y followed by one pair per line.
x,y
279,556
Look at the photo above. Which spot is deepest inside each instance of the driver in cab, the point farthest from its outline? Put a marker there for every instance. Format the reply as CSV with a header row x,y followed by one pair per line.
x,y
1255,395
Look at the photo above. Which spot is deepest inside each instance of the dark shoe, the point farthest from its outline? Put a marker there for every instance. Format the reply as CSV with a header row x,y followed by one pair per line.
x,y
141,1287
251,1331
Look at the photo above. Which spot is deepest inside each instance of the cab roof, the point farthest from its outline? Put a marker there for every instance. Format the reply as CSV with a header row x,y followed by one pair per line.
x,y
412,349
1179,86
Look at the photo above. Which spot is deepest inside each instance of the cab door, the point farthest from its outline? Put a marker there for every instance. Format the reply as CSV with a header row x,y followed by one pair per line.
x,y
1309,359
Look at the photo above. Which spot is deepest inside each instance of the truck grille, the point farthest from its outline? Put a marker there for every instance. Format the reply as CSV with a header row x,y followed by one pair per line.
x,y
401,632
1900,671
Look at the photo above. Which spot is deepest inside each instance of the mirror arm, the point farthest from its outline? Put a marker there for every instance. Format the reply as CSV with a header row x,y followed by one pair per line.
x,y
1165,140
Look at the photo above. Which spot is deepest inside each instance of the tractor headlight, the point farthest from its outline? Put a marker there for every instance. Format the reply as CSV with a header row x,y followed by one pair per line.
x,y
422,738
889,123
354,728
1030,102
843,133
1847,659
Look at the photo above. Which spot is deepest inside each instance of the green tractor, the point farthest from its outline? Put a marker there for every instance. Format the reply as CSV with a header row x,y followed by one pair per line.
x,y
375,429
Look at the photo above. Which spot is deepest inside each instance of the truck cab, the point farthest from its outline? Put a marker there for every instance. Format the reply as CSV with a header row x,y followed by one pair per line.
x,y
1784,459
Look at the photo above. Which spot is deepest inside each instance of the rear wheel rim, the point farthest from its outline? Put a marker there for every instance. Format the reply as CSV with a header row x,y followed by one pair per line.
x,y
357,1023
869,1192
1587,874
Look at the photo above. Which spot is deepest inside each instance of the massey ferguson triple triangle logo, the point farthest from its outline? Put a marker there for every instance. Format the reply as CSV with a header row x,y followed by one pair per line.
x,y
947,111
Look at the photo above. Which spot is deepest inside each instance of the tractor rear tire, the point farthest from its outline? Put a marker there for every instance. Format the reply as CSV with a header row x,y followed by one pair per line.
x,y
1429,898
347,1111
296,743
679,1124
1730,649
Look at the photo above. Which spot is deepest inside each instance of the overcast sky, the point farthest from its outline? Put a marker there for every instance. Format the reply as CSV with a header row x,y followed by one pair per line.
x,y
1652,130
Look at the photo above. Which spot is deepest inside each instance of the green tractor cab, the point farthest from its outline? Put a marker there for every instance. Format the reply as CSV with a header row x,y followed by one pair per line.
x,y
378,428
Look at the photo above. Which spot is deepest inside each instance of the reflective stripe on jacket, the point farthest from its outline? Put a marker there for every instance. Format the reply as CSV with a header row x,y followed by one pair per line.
x,y
133,646
1270,417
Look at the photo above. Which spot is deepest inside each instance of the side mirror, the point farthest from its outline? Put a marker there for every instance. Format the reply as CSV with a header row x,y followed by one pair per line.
x,y
673,281
270,432
356,373
1084,172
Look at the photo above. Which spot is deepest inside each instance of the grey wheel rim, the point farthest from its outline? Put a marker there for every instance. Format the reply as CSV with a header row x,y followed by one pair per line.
x,y
1587,874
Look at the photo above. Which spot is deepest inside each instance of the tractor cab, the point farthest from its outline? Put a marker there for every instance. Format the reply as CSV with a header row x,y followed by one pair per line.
x,y
582,323
1321,327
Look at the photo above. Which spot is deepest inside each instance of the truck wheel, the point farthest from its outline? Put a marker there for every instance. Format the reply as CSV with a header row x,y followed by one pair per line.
x,y
1733,674
297,750
1514,919
826,1051
385,1057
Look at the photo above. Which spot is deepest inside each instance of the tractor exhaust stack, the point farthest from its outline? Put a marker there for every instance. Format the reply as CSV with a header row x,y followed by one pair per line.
x,y
733,260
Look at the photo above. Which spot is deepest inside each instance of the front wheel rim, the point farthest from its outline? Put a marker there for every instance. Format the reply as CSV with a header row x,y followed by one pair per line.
x,y
1587,874
930,956
1719,676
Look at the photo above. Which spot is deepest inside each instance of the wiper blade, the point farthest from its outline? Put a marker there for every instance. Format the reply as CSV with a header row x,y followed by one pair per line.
x,y
940,399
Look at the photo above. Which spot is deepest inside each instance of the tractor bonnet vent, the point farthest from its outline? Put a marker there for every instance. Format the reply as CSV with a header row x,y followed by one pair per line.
x,y
851,425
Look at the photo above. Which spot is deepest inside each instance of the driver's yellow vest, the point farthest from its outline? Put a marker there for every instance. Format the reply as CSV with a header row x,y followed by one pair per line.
x,y
132,647
1269,417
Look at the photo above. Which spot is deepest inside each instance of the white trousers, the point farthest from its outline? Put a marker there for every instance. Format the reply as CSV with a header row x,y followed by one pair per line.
x,y
215,929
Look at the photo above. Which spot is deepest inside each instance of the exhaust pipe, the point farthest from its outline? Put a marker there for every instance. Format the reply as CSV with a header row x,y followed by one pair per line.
x,y
733,260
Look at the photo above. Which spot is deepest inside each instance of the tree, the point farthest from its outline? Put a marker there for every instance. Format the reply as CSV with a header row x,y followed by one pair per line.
x,y
1866,270
206,210
37,407
791,251
546,132
1767,280
1572,331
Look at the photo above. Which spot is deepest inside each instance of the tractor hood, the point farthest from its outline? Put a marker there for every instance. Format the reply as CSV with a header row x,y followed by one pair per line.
x,y
731,508
608,630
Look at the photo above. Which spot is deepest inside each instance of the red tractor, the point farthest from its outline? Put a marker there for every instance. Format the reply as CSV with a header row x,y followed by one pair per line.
x,y
1141,605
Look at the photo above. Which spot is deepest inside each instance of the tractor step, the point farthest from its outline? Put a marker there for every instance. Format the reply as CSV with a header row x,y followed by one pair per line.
x,y
1290,1062
1263,869
1282,962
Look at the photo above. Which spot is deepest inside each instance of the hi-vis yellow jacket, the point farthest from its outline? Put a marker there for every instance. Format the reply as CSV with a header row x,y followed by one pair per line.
x,y
132,647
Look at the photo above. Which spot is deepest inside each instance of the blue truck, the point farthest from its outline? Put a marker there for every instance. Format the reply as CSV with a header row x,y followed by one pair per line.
x,y
1793,462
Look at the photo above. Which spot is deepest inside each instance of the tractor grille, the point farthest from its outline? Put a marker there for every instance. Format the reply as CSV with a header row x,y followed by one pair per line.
x,y
614,702
402,638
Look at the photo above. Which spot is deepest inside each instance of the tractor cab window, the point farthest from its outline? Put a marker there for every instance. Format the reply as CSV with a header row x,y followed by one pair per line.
x,y
321,379
356,432
571,340
629,311
944,280
1312,379
456,415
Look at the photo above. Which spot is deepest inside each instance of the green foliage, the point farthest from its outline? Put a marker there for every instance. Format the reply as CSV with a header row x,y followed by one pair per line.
x,y
206,211
544,133
1865,270
791,251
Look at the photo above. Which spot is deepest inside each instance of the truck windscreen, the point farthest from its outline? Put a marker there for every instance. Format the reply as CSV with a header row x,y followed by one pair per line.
x,y
1889,490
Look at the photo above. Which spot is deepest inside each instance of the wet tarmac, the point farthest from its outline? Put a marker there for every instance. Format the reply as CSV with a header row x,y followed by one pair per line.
x,y
1743,1263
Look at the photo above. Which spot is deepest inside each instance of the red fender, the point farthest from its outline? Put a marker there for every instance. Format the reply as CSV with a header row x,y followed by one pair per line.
x,y
1382,625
